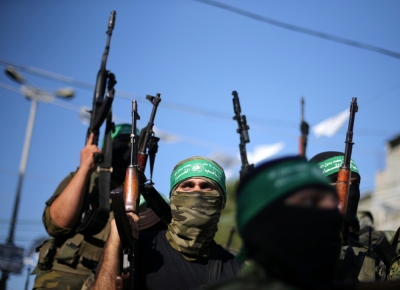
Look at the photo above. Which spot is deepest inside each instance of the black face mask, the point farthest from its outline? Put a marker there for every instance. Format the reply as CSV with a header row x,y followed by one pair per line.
x,y
351,211
120,161
298,245
352,203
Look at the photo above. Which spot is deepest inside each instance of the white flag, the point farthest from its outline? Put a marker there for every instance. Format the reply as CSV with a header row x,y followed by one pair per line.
x,y
330,126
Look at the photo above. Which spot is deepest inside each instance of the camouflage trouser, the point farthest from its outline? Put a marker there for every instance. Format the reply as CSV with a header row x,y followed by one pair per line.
x,y
58,280
394,270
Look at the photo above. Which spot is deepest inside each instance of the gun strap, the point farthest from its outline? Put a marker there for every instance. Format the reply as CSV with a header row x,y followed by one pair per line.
x,y
97,218
214,267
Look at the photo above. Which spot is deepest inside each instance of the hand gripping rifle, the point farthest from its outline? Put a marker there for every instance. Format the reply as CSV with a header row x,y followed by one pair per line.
x,y
148,147
244,135
304,129
95,218
123,202
343,180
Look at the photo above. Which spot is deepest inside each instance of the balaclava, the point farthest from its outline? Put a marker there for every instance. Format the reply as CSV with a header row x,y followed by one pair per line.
x,y
299,245
121,151
195,214
329,163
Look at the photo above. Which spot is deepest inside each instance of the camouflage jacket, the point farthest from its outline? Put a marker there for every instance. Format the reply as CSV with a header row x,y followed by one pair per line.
x,y
394,269
355,265
68,251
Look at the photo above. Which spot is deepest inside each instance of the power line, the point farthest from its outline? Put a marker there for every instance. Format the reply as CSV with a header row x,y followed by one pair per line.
x,y
301,29
188,109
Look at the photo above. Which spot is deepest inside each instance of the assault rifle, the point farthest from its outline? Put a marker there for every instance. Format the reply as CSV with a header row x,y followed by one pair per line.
x,y
123,202
147,139
304,128
101,106
343,180
95,217
244,135
148,147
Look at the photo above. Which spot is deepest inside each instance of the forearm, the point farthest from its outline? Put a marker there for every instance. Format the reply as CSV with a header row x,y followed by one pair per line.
x,y
109,265
67,207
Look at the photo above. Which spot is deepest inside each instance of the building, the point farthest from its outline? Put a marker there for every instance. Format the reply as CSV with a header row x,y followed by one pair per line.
x,y
384,201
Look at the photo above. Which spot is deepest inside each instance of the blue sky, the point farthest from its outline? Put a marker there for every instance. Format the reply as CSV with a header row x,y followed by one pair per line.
x,y
194,55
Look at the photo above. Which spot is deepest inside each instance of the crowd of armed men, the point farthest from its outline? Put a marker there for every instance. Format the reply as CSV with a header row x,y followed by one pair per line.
x,y
111,229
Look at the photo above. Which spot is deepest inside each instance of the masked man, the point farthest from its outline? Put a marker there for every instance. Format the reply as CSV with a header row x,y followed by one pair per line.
x,y
185,256
288,219
355,262
67,259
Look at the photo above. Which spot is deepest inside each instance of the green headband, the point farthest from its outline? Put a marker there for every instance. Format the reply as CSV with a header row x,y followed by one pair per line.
x,y
272,183
332,165
198,168
122,129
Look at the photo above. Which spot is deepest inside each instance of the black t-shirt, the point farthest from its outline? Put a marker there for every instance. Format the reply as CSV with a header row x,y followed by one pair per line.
x,y
162,267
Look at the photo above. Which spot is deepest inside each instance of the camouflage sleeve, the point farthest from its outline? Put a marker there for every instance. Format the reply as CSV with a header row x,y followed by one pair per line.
x,y
50,225
394,270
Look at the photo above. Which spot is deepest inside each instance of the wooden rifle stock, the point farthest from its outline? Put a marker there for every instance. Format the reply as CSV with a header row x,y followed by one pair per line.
x,y
131,190
343,180
142,161
342,188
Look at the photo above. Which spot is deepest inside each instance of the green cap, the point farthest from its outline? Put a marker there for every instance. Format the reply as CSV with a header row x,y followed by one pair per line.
x,y
198,167
273,180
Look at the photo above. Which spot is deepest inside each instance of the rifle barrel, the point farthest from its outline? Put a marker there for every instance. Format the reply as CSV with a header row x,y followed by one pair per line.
x,y
243,132
343,180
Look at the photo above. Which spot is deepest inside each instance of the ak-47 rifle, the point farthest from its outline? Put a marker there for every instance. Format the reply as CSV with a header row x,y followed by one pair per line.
x,y
244,135
304,128
123,202
94,219
244,138
101,105
147,139
343,180
148,147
